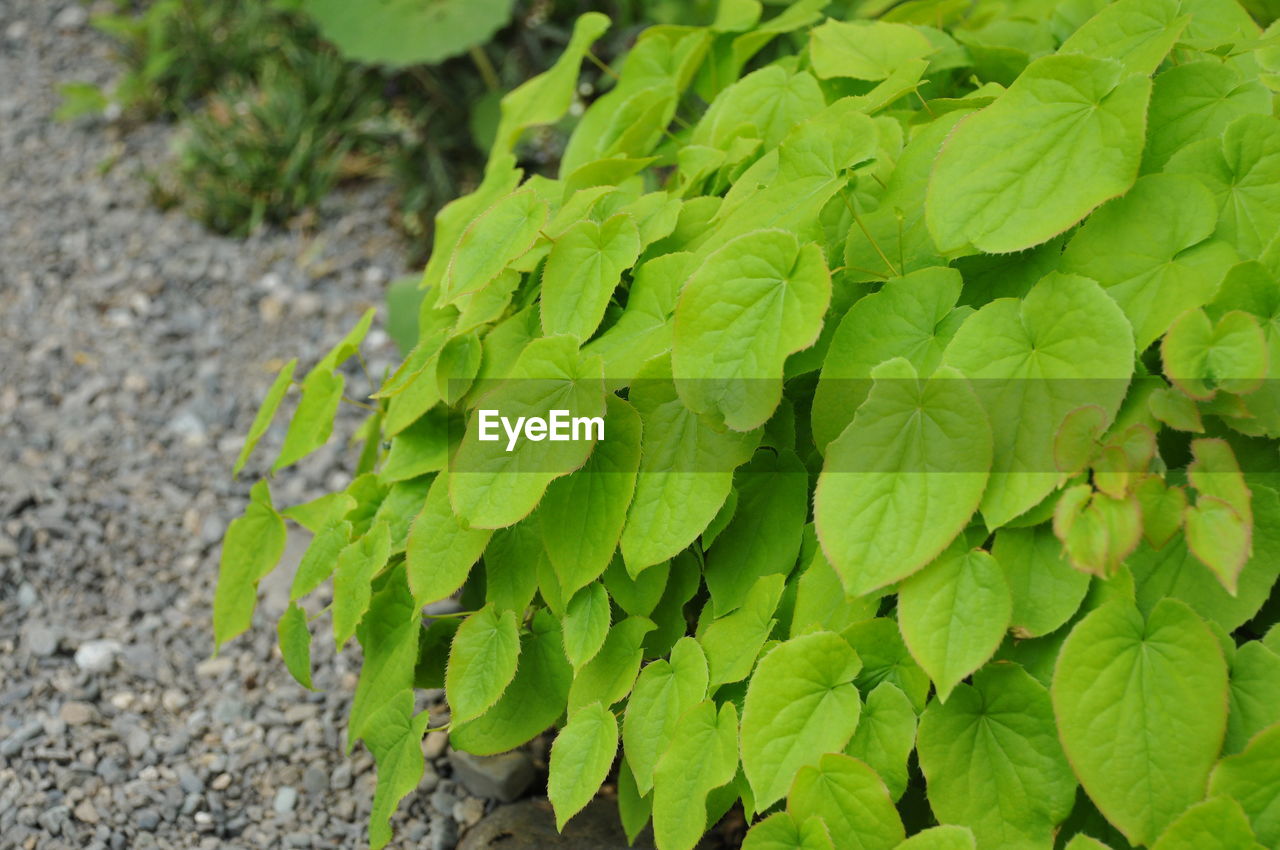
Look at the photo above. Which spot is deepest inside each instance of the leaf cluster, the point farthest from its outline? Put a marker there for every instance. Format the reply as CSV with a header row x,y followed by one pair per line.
x,y
937,504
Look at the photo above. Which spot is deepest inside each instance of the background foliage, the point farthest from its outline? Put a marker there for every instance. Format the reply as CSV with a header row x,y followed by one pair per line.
x,y
938,500
278,101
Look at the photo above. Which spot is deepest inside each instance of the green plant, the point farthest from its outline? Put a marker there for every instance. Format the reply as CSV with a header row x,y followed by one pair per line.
x,y
269,113
266,150
937,494
177,51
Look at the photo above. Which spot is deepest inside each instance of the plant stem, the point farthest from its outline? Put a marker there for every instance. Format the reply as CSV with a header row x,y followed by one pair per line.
x,y
858,220
599,63
485,67
364,367
431,87
361,404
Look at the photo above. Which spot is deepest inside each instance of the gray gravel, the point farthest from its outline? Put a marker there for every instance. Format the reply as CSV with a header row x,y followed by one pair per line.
x,y
134,347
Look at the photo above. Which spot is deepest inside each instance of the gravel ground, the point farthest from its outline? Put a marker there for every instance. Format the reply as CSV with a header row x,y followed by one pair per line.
x,y
134,347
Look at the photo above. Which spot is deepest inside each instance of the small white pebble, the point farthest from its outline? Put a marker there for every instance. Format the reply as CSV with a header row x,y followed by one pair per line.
x,y
97,656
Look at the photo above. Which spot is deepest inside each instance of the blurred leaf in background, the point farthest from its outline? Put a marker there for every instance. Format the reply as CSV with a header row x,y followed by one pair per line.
x,y
399,33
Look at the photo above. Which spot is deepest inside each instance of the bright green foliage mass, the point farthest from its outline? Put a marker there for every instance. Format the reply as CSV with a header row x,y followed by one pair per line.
x,y
1241,171
936,349
440,550
1255,694
1044,587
